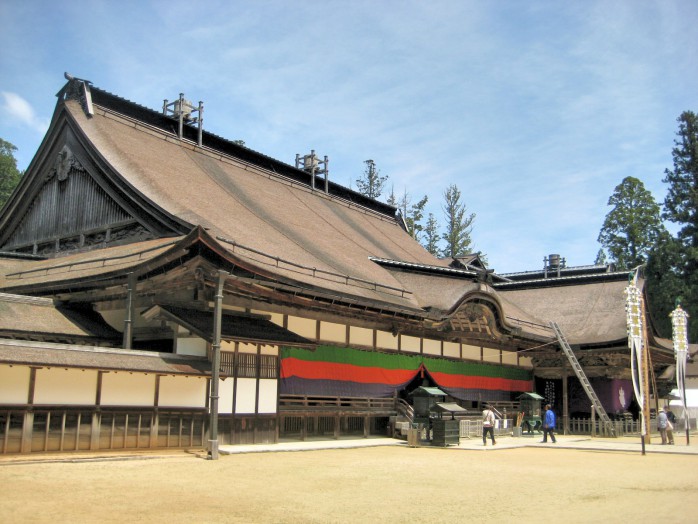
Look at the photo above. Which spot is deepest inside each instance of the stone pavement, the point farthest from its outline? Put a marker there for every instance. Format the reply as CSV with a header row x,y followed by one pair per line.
x,y
581,442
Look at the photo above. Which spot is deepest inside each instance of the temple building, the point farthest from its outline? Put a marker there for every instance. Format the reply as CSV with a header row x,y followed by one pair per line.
x,y
140,249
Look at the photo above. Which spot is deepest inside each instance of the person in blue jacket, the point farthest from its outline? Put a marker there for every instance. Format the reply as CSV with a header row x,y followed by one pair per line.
x,y
549,425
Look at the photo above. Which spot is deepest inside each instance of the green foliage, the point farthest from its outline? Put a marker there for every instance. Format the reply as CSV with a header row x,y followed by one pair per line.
x,y
633,226
431,236
371,183
458,225
681,202
665,282
672,270
9,174
601,259
414,216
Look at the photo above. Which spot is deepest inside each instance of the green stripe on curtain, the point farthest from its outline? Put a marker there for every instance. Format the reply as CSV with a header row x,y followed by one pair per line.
x,y
359,357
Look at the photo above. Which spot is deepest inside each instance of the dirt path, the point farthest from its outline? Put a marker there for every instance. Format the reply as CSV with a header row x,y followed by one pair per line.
x,y
386,484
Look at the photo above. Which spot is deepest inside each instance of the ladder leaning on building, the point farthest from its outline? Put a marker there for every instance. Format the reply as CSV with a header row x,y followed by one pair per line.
x,y
596,403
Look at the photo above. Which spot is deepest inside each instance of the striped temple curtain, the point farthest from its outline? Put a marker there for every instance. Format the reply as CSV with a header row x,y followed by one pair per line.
x,y
335,371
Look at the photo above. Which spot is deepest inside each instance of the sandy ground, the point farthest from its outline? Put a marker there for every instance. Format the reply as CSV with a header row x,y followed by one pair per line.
x,y
386,484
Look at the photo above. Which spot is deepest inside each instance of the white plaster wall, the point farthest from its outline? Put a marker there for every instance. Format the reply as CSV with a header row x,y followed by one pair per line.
x,y
270,350
115,318
65,386
245,397
225,395
386,340
247,348
226,345
275,318
14,384
359,336
432,347
451,349
128,389
509,357
305,327
267,395
526,362
409,344
191,346
471,352
490,355
331,332
178,391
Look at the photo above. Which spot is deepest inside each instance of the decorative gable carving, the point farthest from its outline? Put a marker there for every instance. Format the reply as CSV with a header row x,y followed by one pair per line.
x,y
71,211
472,318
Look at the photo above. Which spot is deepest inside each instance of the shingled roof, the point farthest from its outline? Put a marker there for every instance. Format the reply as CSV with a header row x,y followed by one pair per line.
x,y
268,217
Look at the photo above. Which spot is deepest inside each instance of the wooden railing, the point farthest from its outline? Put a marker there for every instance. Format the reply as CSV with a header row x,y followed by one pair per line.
x,y
314,404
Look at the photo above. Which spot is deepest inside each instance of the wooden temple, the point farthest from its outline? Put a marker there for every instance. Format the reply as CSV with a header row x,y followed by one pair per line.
x,y
139,248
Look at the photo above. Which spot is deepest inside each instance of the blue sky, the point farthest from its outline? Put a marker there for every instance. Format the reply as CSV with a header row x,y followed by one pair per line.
x,y
536,110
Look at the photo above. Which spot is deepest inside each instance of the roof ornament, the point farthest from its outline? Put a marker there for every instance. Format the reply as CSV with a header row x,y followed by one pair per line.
x,y
183,111
78,89
312,164
554,264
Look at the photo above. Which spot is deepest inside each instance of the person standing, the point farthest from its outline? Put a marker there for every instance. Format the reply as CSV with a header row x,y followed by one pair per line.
x,y
671,422
488,425
549,425
662,422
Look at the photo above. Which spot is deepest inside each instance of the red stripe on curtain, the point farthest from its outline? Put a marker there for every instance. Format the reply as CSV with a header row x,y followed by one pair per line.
x,y
479,382
293,367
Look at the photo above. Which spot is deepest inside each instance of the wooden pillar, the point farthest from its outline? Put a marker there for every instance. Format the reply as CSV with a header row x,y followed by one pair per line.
x,y
216,364
27,432
128,321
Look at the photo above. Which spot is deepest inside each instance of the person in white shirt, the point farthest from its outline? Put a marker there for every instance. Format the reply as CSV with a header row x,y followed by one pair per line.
x,y
487,425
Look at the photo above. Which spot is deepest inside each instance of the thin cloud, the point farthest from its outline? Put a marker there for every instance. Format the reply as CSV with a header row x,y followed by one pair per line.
x,y
18,108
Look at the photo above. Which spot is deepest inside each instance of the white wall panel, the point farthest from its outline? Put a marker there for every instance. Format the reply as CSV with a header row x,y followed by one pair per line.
x,y
432,347
225,395
178,391
491,355
452,349
509,357
128,389
359,336
244,347
526,362
65,386
14,384
386,340
191,346
409,344
270,350
331,332
305,327
267,395
245,395
471,352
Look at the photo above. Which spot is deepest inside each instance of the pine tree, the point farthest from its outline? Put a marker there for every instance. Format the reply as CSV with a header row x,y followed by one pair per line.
x,y
681,207
371,183
431,235
633,226
458,225
681,202
601,259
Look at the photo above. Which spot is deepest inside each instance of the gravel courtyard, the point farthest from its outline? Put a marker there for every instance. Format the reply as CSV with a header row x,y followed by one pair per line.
x,y
387,484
